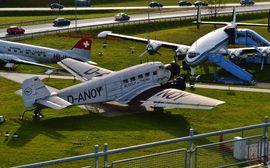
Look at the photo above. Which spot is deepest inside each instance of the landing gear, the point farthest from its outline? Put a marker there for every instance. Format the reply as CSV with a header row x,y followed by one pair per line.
x,y
37,115
192,80
158,109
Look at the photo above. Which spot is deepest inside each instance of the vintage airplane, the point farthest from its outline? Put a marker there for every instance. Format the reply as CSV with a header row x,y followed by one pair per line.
x,y
211,44
17,53
150,84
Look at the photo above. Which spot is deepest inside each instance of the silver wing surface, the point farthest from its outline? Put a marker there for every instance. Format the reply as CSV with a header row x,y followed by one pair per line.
x,y
238,24
54,102
142,40
265,50
173,98
83,70
14,59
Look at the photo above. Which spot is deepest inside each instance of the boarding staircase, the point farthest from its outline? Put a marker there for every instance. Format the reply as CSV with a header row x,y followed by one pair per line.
x,y
243,76
247,38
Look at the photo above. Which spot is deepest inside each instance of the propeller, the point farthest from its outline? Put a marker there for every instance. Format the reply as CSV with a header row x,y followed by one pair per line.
x,y
152,48
265,53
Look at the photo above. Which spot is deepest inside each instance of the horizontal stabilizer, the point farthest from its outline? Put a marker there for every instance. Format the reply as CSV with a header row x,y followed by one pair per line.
x,y
142,40
173,98
83,70
32,63
54,102
227,23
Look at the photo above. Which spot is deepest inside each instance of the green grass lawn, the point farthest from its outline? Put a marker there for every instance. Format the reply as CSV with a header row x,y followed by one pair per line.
x,y
74,131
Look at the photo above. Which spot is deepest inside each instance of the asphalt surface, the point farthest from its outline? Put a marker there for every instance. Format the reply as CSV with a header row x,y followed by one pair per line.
x,y
117,8
137,17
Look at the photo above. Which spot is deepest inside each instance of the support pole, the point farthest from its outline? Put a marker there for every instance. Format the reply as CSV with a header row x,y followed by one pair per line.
x,y
265,143
269,21
105,162
96,156
191,133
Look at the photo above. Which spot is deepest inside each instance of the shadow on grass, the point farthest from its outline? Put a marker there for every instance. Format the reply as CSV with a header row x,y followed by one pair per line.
x,y
176,125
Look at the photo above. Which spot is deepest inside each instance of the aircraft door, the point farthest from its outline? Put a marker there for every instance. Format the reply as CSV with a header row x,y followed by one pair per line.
x,y
114,88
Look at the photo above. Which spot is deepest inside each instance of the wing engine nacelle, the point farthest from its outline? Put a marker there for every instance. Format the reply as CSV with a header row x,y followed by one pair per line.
x,y
174,68
178,83
265,51
180,53
152,47
235,53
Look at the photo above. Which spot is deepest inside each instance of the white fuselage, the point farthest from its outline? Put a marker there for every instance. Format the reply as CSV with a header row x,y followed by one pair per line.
x,y
116,86
209,43
9,50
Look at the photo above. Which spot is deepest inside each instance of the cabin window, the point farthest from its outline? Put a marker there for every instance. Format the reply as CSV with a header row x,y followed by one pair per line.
x,y
9,49
125,81
15,50
140,76
132,78
38,54
155,73
27,52
21,52
147,74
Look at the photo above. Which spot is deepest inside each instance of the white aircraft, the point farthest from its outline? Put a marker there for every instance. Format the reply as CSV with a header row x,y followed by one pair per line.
x,y
215,42
149,84
12,52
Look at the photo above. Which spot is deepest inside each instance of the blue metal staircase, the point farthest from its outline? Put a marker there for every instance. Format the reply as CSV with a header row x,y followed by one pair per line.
x,y
243,76
250,38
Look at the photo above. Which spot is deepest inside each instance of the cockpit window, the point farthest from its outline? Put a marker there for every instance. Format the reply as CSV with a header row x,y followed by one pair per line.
x,y
193,54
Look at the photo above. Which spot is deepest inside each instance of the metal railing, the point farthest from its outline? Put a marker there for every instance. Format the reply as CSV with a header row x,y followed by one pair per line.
x,y
237,151
138,21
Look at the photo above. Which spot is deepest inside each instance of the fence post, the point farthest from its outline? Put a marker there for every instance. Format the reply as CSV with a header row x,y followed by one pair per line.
x,y
105,162
265,143
191,133
96,156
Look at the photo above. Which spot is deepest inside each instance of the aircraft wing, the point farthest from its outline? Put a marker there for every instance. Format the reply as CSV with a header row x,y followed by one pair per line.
x,y
239,51
31,63
54,102
142,40
14,59
173,98
82,70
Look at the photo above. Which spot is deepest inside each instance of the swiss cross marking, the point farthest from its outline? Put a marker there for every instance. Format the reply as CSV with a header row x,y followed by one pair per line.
x,y
86,44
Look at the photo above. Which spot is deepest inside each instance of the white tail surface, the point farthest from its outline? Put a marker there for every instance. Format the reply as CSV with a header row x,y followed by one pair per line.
x,y
32,90
81,49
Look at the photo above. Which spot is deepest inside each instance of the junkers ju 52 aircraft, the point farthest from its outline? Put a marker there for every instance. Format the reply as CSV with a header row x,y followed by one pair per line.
x,y
17,53
211,47
150,84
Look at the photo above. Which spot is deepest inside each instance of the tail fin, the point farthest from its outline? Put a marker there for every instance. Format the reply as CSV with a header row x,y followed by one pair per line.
x,y
81,49
35,93
234,16
32,90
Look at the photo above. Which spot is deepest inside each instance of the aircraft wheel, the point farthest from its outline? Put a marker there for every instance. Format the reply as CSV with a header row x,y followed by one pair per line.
x,y
158,109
